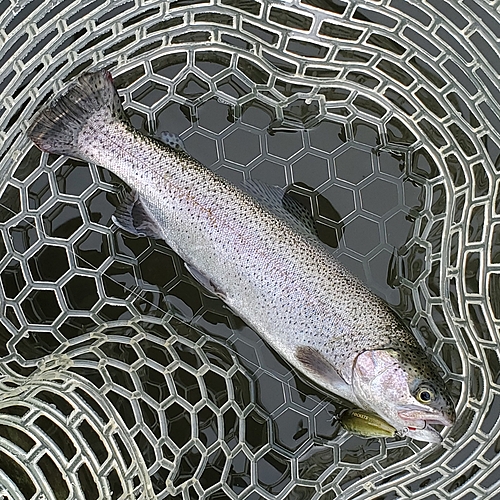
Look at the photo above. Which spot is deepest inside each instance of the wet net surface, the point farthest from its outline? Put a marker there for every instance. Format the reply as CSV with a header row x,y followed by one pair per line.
x,y
120,376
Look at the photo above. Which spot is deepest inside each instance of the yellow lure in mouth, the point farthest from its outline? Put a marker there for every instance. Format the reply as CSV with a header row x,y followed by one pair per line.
x,y
365,424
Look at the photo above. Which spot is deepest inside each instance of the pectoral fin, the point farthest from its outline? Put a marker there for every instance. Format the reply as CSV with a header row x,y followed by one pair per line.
x,y
133,217
314,362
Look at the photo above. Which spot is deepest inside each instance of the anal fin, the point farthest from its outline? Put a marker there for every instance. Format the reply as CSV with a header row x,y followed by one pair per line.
x,y
133,217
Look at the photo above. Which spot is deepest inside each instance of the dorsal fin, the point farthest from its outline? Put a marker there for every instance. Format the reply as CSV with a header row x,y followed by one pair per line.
x,y
282,205
172,140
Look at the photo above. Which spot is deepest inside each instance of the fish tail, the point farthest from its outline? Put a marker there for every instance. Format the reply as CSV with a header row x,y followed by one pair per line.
x,y
57,126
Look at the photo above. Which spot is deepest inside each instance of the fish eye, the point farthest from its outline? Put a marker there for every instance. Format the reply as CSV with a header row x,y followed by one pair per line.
x,y
425,395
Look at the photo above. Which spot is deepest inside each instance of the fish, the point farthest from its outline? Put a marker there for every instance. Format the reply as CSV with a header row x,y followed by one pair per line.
x,y
259,257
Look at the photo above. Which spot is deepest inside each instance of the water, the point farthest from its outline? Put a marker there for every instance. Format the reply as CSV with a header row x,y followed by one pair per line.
x,y
120,374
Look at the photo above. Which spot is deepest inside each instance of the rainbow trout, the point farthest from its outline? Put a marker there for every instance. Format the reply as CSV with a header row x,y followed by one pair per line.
x,y
264,264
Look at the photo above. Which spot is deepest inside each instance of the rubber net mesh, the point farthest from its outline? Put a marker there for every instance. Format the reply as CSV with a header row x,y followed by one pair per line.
x,y
120,376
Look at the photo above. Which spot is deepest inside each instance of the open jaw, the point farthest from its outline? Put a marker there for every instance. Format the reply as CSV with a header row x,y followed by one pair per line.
x,y
420,428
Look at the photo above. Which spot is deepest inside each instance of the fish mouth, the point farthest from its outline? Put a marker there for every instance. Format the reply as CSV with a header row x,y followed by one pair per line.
x,y
419,425
428,434
425,417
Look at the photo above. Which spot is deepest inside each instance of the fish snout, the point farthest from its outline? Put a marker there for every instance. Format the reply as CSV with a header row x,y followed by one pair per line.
x,y
419,423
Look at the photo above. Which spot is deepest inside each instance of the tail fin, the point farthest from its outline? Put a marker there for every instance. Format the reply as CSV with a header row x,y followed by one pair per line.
x,y
56,127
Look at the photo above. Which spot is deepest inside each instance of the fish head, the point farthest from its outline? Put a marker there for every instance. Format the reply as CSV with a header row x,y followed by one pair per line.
x,y
406,391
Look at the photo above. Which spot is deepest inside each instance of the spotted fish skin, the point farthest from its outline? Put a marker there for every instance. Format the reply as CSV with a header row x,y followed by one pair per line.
x,y
281,281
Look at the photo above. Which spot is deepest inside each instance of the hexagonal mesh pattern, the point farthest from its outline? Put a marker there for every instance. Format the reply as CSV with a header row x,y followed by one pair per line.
x,y
120,376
